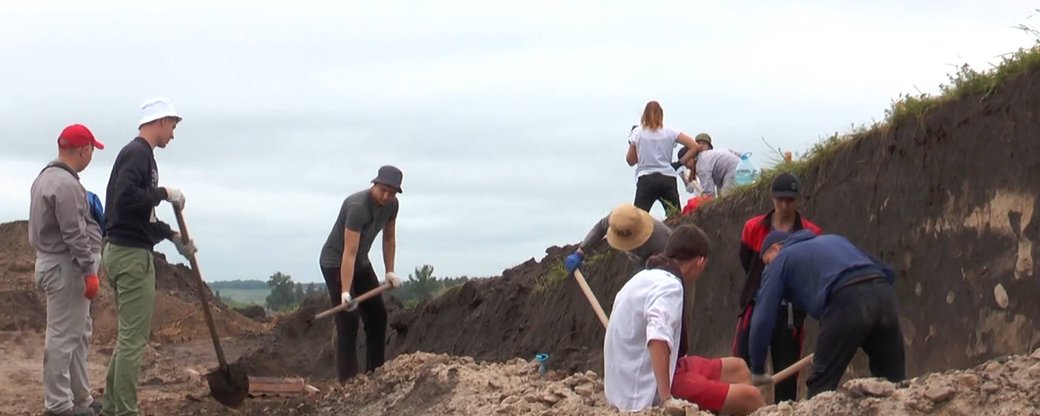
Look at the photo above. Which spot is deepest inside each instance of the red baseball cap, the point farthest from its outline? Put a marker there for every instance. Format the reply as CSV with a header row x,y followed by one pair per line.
x,y
77,135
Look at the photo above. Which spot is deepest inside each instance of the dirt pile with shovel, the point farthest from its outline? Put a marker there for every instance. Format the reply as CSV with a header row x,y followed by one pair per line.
x,y
1005,386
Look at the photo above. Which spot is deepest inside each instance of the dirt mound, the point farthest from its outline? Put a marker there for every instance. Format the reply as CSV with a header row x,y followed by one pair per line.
x,y
177,316
920,194
23,304
1006,386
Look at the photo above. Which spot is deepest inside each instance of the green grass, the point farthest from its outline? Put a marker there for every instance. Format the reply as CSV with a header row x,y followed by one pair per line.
x,y
556,275
246,296
908,108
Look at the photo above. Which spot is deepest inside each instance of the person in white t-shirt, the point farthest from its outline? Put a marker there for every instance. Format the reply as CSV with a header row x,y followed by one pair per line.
x,y
644,351
650,148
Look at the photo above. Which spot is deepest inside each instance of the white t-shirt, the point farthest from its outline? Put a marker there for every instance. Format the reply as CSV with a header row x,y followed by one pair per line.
x,y
654,149
648,307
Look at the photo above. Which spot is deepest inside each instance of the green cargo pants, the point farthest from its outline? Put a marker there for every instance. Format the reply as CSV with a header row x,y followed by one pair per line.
x,y
131,271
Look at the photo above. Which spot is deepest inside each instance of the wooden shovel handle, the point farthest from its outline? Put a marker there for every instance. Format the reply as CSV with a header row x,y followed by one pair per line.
x,y
366,296
793,369
591,297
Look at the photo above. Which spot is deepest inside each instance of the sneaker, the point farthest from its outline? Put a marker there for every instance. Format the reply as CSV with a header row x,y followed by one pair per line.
x,y
76,411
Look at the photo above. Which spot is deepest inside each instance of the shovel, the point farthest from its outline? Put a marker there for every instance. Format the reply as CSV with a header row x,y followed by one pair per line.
x,y
590,296
229,385
365,296
789,371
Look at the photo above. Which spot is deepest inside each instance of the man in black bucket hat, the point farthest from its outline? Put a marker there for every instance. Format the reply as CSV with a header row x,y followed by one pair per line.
x,y
348,272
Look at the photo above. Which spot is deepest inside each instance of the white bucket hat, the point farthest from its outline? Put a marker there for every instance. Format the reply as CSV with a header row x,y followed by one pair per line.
x,y
157,108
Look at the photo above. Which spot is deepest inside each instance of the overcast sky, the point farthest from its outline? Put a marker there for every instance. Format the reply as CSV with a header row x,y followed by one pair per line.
x,y
509,121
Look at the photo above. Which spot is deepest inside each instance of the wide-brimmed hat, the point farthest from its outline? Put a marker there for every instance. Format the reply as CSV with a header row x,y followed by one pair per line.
x,y
628,227
156,108
389,176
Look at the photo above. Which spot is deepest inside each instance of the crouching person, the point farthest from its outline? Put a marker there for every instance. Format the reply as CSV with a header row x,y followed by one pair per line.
x,y
646,337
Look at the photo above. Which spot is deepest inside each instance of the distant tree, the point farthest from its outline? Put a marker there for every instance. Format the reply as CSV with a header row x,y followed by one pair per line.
x,y
298,293
281,297
425,283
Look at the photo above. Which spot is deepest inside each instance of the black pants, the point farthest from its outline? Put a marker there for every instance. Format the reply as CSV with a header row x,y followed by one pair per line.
x,y
371,311
862,315
656,187
785,348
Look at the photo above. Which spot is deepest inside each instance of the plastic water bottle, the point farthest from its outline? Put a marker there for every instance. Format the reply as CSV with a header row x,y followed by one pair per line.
x,y
746,171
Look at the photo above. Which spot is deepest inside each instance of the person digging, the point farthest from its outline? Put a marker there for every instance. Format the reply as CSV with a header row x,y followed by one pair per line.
x,y
348,272
644,351
848,291
785,347
628,229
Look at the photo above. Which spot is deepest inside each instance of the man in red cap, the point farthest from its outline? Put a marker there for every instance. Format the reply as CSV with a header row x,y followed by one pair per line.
x,y
67,240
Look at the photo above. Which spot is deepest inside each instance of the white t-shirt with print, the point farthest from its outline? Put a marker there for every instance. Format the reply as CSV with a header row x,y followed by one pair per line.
x,y
648,307
654,149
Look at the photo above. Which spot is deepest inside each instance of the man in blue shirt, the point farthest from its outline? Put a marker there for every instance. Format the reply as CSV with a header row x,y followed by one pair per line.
x,y
848,291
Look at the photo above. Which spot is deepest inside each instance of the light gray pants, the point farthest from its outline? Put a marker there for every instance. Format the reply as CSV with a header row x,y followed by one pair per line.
x,y
65,383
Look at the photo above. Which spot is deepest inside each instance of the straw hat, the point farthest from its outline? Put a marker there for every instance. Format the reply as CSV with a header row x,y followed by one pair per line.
x,y
628,227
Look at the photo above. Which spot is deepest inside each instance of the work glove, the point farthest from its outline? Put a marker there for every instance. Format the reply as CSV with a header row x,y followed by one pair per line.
x,y
573,261
392,279
90,289
761,380
175,197
186,250
348,300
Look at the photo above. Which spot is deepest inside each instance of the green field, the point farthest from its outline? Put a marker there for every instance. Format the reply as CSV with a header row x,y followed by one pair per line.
x,y
245,296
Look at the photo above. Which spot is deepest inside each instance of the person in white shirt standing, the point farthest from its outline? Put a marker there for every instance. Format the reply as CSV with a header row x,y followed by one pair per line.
x,y
650,147
644,351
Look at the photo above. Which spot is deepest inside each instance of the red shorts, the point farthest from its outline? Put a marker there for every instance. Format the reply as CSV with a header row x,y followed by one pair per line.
x,y
697,380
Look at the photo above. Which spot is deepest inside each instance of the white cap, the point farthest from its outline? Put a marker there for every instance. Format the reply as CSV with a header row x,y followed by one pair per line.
x,y
156,108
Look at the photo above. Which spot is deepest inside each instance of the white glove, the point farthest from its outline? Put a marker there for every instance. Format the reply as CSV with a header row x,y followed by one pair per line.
x,y
392,279
175,197
186,250
346,299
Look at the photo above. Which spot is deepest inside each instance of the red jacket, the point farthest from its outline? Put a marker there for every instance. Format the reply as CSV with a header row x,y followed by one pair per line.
x,y
755,230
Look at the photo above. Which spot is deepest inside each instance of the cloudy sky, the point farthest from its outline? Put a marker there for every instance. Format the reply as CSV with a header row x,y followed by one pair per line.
x,y
509,121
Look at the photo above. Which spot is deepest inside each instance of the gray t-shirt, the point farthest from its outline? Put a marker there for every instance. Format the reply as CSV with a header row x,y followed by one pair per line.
x,y
358,213
658,239
712,168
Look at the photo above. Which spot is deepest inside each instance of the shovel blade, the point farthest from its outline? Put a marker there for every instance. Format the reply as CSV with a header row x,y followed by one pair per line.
x,y
230,387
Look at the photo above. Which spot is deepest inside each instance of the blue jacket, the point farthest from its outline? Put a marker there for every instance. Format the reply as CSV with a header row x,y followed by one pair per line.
x,y
805,272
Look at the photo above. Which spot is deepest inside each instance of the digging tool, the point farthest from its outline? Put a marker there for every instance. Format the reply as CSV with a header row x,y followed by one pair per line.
x,y
789,371
590,296
229,385
365,296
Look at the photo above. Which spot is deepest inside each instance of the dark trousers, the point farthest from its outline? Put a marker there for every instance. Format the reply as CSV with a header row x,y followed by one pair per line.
x,y
785,348
371,311
863,315
656,187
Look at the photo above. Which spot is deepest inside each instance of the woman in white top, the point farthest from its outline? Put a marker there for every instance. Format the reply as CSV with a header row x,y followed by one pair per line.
x,y
650,147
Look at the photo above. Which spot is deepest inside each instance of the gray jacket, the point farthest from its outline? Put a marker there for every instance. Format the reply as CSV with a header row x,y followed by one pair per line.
x,y
60,220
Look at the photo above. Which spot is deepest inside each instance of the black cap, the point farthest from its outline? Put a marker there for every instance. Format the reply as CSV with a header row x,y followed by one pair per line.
x,y
389,176
773,237
786,185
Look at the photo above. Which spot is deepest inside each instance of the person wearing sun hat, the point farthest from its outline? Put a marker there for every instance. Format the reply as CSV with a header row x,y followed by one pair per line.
x,y
348,272
626,228
67,240
133,230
